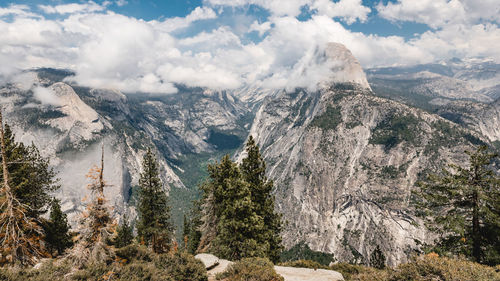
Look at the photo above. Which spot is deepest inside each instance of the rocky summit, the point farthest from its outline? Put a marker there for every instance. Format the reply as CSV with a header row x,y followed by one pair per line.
x,y
344,155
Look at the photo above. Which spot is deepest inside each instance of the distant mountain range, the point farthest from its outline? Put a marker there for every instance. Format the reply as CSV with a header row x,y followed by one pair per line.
x,y
344,157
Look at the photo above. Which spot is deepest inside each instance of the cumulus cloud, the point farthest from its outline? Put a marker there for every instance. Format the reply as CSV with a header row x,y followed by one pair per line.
x,y
72,8
151,56
17,10
441,13
46,96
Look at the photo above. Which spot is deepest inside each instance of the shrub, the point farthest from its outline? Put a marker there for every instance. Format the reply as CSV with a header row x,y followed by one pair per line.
x,y
349,270
250,269
301,251
182,266
134,252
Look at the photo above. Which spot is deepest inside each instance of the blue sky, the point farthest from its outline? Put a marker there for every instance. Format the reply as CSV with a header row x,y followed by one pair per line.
x,y
152,45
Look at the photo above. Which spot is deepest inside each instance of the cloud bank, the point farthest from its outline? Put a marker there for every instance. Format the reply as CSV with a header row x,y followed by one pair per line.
x,y
110,50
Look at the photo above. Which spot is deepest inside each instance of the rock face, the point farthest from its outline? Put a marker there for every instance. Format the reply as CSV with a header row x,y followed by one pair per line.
x,y
344,164
69,124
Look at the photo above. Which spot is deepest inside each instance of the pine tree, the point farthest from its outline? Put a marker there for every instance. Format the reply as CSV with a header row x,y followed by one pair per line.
x,y
124,234
230,224
194,224
253,170
463,206
96,224
154,226
20,234
57,229
377,258
31,178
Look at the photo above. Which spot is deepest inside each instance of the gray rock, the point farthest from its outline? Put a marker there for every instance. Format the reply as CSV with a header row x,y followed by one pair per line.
x,y
307,274
210,261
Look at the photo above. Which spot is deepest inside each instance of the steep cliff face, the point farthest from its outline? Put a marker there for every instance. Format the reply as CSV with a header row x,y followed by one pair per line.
x,y
69,124
344,163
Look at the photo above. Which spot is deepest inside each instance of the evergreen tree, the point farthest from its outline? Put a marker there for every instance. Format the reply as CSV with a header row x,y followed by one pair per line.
x,y
377,258
20,234
31,178
463,206
253,170
194,231
154,226
57,229
231,214
124,234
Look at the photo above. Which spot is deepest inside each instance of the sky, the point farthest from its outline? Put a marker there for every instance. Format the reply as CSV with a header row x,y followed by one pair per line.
x,y
151,46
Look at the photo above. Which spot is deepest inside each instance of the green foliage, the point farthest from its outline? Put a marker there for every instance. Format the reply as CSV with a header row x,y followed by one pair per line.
x,y
463,206
31,178
349,270
193,231
253,171
394,130
223,140
377,258
154,226
301,251
182,266
390,172
239,219
304,264
329,120
250,269
134,252
57,229
124,234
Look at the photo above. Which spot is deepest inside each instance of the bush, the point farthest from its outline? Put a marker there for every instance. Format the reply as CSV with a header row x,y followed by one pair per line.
x,y
350,270
301,251
430,267
182,266
304,264
134,252
250,269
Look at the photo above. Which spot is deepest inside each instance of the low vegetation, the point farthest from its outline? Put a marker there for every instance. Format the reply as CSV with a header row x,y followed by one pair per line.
x,y
250,269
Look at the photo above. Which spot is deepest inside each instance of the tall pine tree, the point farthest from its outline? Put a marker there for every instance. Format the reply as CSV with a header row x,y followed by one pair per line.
x,y
463,206
124,234
57,234
253,170
154,226
20,233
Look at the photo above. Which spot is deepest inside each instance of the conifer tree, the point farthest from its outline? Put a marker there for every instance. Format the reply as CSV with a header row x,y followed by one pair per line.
x,y
96,224
124,234
57,229
463,206
20,234
194,224
377,258
31,178
230,224
253,170
154,226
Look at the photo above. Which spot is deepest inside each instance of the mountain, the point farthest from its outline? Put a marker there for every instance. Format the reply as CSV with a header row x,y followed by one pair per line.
x,y
345,161
69,124
344,155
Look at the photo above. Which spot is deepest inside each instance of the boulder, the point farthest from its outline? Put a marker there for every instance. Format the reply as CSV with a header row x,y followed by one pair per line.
x,y
210,261
307,274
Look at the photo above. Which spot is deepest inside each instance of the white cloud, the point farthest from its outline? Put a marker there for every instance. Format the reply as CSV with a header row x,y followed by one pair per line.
x,y
199,13
440,13
72,8
121,3
147,56
46,96
349,10
17,10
